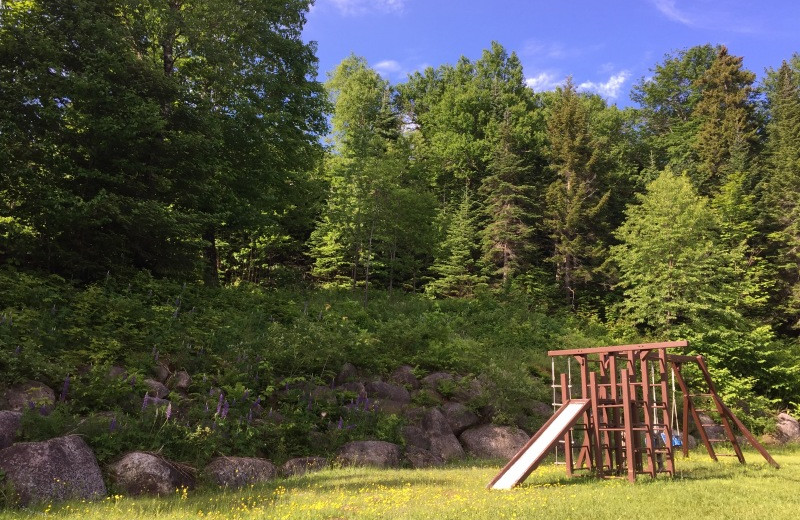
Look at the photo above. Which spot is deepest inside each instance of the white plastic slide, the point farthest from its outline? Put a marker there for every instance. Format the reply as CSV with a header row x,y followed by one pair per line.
x,y
526,460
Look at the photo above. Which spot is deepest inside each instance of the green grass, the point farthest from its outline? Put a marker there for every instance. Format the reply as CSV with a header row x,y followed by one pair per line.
x,y
700,489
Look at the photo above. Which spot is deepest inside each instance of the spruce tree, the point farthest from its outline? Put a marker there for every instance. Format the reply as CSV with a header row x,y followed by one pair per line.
x,y
783,186
506,236
459,272
573,199
727,134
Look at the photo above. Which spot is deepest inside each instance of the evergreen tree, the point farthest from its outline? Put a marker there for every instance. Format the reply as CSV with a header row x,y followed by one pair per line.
x,y
459,272
507,205
783,187
727,134
573,199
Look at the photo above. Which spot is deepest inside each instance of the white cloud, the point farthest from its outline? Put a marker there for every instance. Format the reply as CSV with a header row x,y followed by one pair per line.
x,y
358,7
387,67
717,16
610,88
543,81
668,9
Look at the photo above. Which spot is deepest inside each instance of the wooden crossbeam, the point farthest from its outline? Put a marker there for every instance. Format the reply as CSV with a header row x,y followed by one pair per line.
x,y
618,348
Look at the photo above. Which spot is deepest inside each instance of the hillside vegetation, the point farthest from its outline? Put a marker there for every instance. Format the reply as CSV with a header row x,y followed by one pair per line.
x,y
179,192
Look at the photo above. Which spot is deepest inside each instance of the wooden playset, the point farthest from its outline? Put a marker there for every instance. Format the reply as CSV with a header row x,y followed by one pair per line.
x,y
620,422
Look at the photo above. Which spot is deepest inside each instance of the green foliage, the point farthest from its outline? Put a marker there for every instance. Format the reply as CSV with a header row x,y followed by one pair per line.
x,y
668,101
669,256
727,133
133,136
574,203
782,198
457,265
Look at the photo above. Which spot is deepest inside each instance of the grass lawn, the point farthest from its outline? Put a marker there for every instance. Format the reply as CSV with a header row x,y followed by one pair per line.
x,y
701,489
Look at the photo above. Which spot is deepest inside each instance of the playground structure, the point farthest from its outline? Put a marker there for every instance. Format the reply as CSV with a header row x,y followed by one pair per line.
x,y
619,423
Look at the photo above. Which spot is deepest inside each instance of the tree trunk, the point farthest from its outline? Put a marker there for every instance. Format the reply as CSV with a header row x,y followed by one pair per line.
x,y
392,257
366,270
211,271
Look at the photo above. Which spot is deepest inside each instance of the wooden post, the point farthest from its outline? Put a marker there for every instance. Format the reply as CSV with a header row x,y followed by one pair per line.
x,y
647,408
568,435
718,404
594,425
627,419
693,411
666,417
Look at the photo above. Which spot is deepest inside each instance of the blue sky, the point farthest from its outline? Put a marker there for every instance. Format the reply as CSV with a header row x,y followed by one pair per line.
x,y
606,45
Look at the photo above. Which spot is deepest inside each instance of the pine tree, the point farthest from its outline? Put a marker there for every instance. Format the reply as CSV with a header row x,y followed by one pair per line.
x,y
506,236
573,199
460,273
727,134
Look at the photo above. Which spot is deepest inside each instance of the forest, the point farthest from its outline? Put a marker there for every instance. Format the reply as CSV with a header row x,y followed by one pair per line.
x,y
175,182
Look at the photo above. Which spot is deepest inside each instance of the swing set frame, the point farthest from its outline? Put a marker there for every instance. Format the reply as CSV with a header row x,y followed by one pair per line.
x,y
627,429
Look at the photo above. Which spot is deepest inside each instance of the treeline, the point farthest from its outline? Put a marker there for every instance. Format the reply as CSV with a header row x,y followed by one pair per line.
x,y
191,140
463,178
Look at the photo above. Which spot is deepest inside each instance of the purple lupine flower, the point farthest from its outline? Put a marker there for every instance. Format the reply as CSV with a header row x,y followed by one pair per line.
x,y
168,412
145,402
219,403
225,408
31,405
210,390
233,401
133,381
64,389
16,350
250,417
246,393
340,424
258,401
113,426
44,411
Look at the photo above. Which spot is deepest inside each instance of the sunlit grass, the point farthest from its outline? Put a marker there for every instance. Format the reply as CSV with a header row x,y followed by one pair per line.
x,y
701,489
